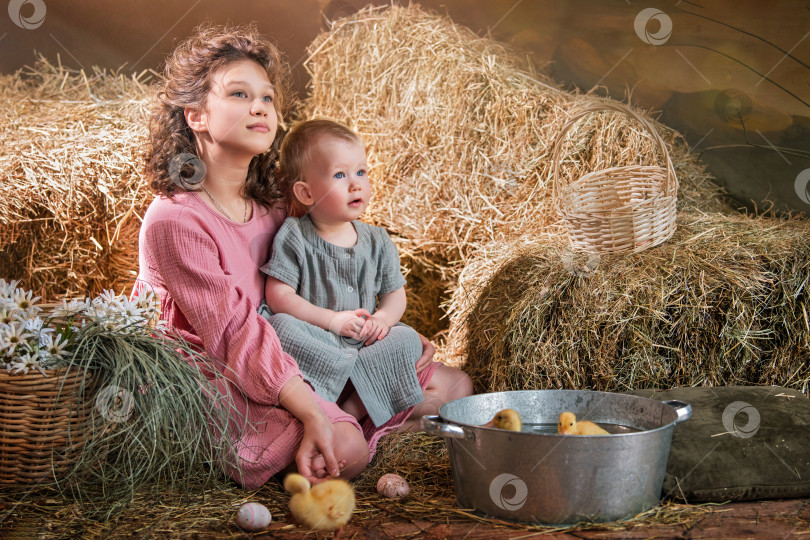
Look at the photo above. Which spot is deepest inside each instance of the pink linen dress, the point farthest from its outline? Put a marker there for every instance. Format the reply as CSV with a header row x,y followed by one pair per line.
x,y
205,268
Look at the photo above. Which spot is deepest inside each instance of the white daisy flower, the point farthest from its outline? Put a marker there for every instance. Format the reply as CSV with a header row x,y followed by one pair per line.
x,y
35,326
24,300
15,336
113,324
108,297
100,310
70,308
7,288
53,344
132,311
31,312
10,314
148,300
5,349
28,341
161,326
116,313
25,363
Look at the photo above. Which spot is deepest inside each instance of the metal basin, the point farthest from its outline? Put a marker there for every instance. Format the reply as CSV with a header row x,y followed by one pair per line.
x,y
538,476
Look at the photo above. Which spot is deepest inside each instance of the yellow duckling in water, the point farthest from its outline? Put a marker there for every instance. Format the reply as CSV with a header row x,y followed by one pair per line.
x,y
324,507
568,425
507,419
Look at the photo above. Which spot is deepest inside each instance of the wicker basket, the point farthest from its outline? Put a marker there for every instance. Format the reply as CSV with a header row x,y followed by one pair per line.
x,y
620,209
42,424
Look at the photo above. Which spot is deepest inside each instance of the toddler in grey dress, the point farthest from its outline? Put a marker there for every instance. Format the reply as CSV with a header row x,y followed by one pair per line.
x,y
327,273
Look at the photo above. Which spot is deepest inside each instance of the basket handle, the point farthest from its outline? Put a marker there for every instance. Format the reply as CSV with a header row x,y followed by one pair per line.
x,y
671,182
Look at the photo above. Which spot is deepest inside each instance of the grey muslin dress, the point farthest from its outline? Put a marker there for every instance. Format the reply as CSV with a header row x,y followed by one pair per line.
x,y
339,278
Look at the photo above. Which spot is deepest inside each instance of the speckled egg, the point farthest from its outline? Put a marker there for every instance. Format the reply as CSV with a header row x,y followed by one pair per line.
x,y
252,517
393,486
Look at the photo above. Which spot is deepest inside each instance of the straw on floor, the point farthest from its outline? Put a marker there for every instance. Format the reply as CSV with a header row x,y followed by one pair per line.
x,y
418,457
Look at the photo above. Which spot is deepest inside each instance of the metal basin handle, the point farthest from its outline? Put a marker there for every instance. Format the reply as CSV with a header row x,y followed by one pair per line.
x,y
683,409
433,425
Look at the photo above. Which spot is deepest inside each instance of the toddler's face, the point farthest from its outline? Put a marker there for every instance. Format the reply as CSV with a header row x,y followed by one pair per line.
x,y
336,186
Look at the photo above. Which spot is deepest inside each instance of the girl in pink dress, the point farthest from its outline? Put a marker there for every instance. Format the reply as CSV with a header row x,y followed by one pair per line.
x,y
210,156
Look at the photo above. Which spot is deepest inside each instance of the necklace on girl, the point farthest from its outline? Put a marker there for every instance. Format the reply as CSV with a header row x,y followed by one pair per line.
x,y
219,206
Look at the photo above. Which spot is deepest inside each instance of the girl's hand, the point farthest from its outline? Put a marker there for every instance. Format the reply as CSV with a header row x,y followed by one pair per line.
x,y
316,455
428,350
349,323
315,458
373,330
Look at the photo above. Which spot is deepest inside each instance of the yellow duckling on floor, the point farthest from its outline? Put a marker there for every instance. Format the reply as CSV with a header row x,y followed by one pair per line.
x,y
324,507
508,419
568,425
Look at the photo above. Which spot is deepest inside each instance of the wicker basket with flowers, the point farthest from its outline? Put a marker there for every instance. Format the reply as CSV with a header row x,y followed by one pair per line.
x,y
96,396
45,401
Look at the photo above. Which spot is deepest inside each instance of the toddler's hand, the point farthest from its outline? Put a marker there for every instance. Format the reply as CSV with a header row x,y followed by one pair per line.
x,y
349,323
373,330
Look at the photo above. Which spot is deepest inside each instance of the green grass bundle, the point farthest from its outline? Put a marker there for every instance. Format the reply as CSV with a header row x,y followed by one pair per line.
x,y
157,423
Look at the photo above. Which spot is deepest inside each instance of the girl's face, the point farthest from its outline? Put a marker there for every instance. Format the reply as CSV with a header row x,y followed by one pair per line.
x,y
335,188
239,115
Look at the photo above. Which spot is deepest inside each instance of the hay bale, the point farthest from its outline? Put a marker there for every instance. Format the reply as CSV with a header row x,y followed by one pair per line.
x,y
71,188
724,302
460,130
426,289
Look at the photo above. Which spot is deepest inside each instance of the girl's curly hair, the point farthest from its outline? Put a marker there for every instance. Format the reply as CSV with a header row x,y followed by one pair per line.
x,y
170,151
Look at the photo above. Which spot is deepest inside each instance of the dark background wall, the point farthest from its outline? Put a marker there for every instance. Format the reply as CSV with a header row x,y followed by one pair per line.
x,y
732,76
